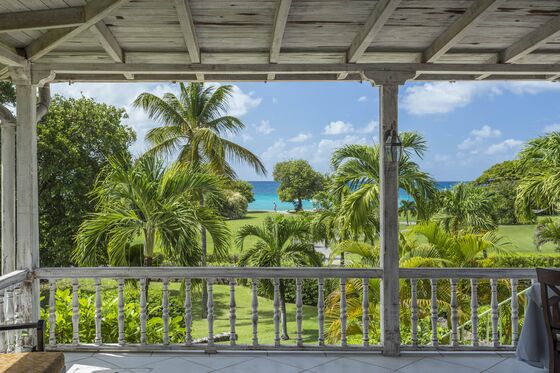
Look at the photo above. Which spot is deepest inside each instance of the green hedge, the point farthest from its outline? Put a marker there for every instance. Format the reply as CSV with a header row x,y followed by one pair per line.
x,y
522,261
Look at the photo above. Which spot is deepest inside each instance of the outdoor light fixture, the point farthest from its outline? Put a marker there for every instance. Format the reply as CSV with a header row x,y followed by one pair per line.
x,y
393,146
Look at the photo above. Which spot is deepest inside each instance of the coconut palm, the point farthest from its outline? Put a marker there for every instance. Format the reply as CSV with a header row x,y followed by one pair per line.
x,y
465,207
281,242
408,207
540,188
145,201
195,126
548,230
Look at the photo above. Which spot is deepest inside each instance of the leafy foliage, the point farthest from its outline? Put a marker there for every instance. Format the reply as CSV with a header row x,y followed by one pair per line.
x,y
7,93
548,230
298,181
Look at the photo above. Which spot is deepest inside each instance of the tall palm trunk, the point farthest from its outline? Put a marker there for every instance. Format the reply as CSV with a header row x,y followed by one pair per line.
x,y
203,264
282,289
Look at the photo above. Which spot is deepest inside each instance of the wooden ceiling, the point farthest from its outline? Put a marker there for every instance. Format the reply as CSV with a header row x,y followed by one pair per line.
x,y
284,40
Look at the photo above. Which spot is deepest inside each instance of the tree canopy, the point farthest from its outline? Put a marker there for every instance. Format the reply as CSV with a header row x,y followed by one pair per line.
x,y
298,181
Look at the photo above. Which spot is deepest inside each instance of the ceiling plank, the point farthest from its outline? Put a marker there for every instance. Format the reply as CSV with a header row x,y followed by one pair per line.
x,y
371,28
94,12
531,41
187,27
280,20
108,41
459,28
41,19
10,57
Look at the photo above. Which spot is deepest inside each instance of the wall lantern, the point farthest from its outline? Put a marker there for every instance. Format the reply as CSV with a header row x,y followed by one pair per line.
x,y
393,146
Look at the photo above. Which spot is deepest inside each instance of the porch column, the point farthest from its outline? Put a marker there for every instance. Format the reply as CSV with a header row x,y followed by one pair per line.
x,y
8,150
27,228
389,223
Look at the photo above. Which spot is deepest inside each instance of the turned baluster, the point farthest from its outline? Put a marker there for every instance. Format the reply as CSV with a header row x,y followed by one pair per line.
x,y
276,312
474,311
52,313
143,312
514,312
120,318
18,319
494,306
165,310
454,317
232,316
98,311
188,313
365,312
10,343
75,313
434,312
299,313
2,321
343,316
255,313
414,311
321,312
210,317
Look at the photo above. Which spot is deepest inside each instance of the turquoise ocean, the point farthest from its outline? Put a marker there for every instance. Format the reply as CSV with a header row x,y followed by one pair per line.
x,y
266,196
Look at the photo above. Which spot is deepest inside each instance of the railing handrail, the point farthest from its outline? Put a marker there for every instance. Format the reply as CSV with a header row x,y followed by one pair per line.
x,y
13,278
275,272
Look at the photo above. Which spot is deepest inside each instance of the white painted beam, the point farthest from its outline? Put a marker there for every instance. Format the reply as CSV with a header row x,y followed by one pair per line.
x,y
531,41
8,150
10,57
41,19
459,29
553,78
108,41
94,12
280,20
378,17
187,27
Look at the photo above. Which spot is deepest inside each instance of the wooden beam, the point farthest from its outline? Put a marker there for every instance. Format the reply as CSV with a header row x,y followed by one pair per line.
x,y
187,27
4,73
94,12
108,41
459,29
531,41
280,20
378,17
41,19
10,57
553,78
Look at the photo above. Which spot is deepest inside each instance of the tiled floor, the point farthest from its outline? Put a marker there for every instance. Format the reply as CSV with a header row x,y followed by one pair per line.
x,y
294,362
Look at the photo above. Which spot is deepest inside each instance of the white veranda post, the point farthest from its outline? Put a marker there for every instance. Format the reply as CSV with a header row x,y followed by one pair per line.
x,y
27,221
389,224
8,145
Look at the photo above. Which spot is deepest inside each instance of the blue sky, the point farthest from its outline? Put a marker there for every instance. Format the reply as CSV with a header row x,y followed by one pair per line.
x,y
469,126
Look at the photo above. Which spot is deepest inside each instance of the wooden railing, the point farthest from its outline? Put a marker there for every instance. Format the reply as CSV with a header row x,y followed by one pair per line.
x,y
10,309
445,290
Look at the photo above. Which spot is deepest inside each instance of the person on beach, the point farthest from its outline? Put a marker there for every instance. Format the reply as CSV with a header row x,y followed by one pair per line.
x,y
275,207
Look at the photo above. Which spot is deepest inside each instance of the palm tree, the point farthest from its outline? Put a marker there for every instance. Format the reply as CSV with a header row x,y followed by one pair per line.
x,y
157,205
548,230
281,242
465,207
195,127
539,189
408,207
356,180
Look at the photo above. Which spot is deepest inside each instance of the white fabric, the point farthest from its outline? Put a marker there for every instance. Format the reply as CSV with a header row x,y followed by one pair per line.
x,y
532,347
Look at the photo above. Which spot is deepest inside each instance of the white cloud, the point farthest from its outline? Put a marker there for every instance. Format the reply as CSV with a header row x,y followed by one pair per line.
x,y
362,99
240,102
265,128
478,136
325,147
279,151
505,146
338,128
370,127
552,128
301,137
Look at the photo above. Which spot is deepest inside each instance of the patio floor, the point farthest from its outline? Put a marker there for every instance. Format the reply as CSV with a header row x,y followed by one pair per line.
x,y
294,362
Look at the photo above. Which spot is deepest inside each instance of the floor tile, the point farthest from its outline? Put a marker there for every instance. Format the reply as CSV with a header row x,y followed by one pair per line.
x,y
217,361
177,364
476,361
434,365
393,363
307,361
73,356
261,364
130,360
89,365
347,365
512,365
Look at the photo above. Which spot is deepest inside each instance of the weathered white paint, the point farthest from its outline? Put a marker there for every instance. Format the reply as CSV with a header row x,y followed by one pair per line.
x,y
280,20
10,57
531,41
389,225
41,19
108,41
187,27
8,146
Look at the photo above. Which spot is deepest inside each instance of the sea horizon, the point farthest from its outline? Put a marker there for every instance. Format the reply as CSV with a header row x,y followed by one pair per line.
x,y
266,196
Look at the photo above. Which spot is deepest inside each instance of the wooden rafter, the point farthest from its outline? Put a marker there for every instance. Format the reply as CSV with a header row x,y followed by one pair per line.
x,y
108,41
42,19
459,28
10,57
531,41
280,20
189,33
94,12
